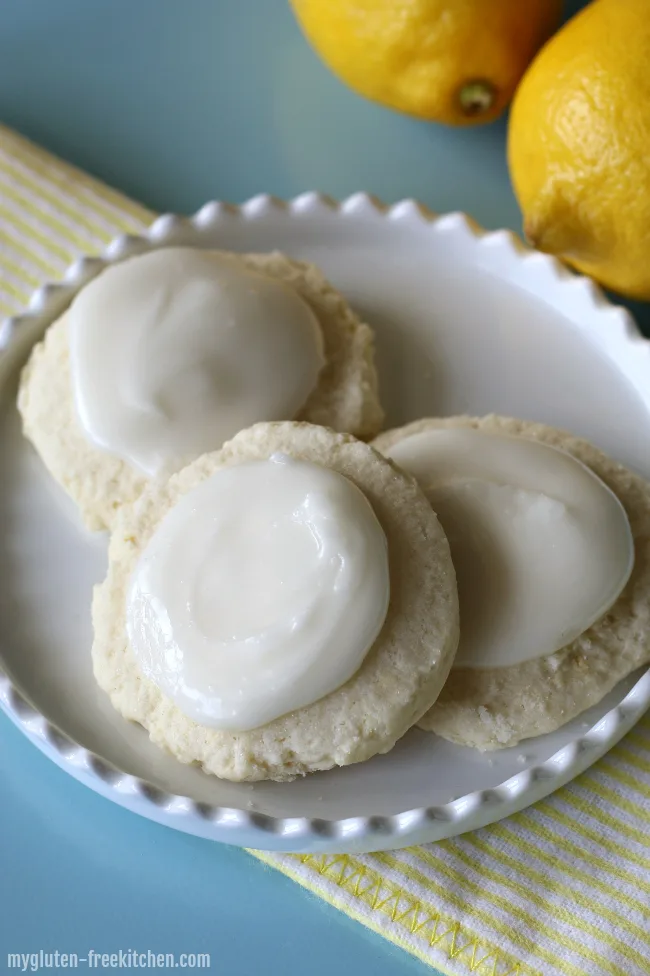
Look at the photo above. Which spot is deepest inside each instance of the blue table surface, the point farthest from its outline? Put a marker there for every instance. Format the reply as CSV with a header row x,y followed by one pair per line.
x,y
178,103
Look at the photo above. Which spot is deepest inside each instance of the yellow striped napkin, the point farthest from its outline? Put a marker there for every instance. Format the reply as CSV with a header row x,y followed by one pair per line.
x,y
563,888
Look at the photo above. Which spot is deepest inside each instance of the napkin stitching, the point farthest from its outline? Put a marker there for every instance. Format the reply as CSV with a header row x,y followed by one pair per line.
x,y
389,902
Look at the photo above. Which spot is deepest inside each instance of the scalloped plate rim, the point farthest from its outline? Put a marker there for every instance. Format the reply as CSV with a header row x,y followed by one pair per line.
x,y
357,833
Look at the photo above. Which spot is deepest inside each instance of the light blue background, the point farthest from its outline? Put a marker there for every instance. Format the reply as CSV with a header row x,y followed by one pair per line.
x,y
177,103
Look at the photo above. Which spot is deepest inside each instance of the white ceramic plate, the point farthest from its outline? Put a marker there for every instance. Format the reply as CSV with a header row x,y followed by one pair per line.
x,y
465,322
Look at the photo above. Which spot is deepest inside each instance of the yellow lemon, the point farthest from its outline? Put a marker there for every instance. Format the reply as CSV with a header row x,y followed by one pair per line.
x,y
454,61
579,145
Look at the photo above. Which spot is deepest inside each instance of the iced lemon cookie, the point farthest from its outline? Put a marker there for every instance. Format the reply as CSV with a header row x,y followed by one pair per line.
x,y
165,356
283,605
551,545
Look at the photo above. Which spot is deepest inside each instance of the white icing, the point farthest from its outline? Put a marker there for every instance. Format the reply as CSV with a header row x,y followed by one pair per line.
x,y
261,592
175,351
542,548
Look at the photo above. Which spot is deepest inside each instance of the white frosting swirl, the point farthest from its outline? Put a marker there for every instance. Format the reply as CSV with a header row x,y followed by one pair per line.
x,y
261,592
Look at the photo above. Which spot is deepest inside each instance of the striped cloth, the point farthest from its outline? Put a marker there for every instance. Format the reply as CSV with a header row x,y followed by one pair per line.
x,y
563,888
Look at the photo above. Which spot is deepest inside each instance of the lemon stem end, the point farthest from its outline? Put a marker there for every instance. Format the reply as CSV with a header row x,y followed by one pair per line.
x,y
476,97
